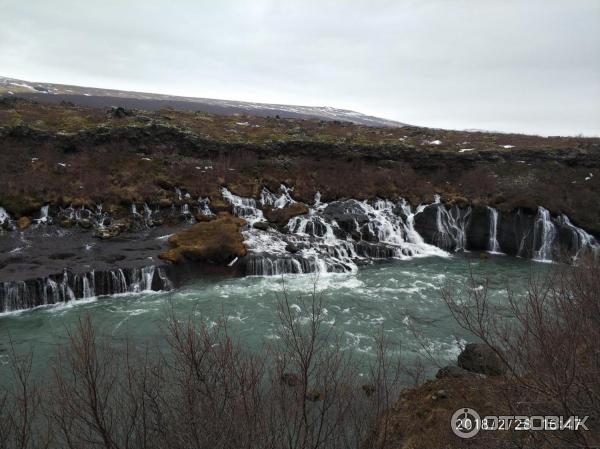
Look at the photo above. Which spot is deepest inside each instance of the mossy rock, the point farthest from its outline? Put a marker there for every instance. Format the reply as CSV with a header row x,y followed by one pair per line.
x,y
23,223
217,241
218,204
20,205
281,216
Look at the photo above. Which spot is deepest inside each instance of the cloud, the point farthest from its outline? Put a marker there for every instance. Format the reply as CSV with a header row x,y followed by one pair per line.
x,y
504,65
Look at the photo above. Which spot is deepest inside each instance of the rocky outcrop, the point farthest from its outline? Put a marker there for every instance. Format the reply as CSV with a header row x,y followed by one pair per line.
x,y
70,286
281,216
480,358
524,233
217,241
23,223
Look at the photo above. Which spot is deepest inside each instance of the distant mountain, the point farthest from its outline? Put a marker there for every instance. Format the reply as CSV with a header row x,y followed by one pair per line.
x,y
95,97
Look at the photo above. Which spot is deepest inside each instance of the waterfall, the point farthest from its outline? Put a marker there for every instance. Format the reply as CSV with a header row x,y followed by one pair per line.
x,y
5,219
243,207
88,290
44,218
544,236
185,212
451,226
493,245
582,241
203,207
317,242
68,286
277,202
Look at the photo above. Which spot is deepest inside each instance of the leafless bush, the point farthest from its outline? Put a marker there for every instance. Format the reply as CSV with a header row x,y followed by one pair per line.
x,y
202,390
548,340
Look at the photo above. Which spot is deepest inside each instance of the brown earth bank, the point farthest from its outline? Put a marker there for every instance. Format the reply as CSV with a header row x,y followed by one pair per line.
x,y
68,155
422,417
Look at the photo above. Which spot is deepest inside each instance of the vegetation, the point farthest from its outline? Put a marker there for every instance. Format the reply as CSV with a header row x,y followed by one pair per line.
x,y
202,389
67,155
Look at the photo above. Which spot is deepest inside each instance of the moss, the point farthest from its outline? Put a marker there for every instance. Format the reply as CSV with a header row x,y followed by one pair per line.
x,y
216,241
20,205
280,217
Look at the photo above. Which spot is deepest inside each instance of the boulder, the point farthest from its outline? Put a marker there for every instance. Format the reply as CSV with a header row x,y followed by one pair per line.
x,y
107,233
290,379
262,225
23,223
313,395
164,203
480,358
119,112
291,248
216,241
368,389
348,214
85,223
281,216
218,204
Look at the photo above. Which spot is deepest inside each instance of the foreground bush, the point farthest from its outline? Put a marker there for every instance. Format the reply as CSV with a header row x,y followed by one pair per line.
x,y
202,391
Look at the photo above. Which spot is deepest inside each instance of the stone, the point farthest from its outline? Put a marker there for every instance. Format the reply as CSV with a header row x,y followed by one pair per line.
x,y
217,241
290,379
291,248
281,216
313,395
107,233
85,223
23,223
480,358
440,394
262,225
66,223
164,203
368,389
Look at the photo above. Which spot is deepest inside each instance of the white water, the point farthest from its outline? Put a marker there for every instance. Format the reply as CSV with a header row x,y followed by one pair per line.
x,y
322,246
584,241
4,217
451,226
43,216
544,235
493,245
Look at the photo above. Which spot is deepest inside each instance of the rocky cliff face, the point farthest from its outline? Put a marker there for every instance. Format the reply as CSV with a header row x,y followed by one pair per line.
x,y
46,263
119,174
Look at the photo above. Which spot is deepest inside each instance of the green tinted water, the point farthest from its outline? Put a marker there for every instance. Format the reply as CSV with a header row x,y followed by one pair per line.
x,y
402,296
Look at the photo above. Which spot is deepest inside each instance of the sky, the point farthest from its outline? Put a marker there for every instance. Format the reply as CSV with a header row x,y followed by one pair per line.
x,y
529,66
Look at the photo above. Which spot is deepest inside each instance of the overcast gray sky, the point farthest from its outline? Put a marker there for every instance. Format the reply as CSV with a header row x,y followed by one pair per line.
x,y
524,65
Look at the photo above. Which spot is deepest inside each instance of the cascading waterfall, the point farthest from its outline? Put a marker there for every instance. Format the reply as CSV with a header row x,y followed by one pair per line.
x,y
493,245
68,286
204,207
581,242
5,219
278,202
451,227
544,236
243,207
319,243
44,218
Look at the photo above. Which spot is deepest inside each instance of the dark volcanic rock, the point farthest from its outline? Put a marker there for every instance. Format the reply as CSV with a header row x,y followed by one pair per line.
x,y
515,233
478,236
349,214
480,358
